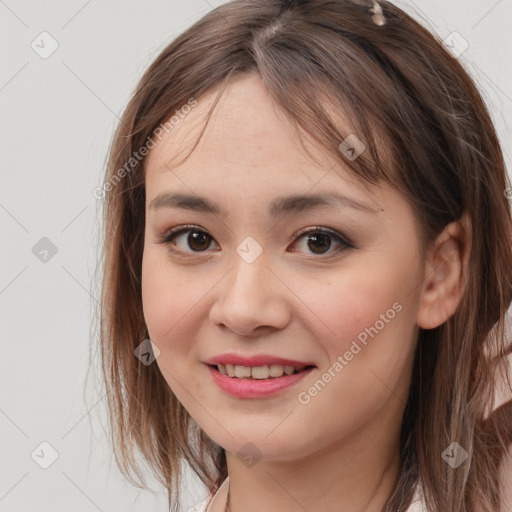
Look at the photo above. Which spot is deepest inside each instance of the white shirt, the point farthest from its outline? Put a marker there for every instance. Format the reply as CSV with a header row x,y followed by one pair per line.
x,y
417,504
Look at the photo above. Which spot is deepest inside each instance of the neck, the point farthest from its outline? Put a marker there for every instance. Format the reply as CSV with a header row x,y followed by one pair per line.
x,y
356,474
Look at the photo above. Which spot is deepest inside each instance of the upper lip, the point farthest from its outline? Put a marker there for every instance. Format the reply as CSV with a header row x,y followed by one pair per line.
x,y
256,360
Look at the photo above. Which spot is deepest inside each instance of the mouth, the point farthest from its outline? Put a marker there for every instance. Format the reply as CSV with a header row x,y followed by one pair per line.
x,y
265,372
257,382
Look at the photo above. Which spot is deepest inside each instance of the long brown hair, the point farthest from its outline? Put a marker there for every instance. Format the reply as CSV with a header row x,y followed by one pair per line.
x,y
427,132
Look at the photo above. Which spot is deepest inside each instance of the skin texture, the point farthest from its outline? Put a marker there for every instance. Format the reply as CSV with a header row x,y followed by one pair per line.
x,y
340,450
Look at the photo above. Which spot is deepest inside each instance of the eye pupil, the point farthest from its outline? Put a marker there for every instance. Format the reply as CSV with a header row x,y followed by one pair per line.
x,y
323,239
199,238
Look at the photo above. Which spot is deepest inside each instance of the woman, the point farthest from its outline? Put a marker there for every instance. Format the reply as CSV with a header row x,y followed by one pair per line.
x,y
308,266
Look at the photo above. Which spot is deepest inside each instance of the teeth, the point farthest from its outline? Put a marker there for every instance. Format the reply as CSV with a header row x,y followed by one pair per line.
x,y
289,370
256,372
260,372
242,371
276,370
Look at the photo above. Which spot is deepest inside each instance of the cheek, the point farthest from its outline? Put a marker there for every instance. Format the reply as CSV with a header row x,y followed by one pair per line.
x,y
347,305
166,296
365,326
175,306
171,302
364,321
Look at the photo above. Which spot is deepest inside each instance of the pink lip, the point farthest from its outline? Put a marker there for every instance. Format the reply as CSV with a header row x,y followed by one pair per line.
x,y
254,388
258,360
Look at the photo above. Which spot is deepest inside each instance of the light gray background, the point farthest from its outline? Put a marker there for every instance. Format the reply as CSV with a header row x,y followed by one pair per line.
x,y
57,119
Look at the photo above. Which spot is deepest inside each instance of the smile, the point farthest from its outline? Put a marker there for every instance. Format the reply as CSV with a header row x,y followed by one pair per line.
x,y
258,381
257,372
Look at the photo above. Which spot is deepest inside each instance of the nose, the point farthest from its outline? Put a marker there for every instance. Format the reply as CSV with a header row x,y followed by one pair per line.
x,y
251,299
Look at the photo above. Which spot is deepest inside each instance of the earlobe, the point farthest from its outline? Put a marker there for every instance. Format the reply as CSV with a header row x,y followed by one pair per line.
x,y
445,274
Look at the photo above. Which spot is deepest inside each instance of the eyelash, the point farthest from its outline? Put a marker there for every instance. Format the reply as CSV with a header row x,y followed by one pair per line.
x,y
170,235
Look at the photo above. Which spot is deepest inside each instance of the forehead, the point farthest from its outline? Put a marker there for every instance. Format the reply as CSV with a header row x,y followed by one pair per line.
x,y
248,140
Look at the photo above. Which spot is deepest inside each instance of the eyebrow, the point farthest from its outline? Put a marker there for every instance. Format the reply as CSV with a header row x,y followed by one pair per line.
x,y
279,206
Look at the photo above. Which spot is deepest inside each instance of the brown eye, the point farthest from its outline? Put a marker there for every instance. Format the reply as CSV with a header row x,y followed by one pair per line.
x,y
194,241
319,241
198,241
190,239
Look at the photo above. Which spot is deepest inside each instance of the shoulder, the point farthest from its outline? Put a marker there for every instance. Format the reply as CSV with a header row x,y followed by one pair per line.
x,y
201,507
209,502
503,418
417,504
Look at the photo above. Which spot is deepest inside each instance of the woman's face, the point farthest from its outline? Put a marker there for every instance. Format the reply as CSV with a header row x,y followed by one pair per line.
x,y
247,280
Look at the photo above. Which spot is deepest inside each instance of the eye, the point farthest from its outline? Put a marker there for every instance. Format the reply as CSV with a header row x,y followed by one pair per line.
x,y
197,239
319,240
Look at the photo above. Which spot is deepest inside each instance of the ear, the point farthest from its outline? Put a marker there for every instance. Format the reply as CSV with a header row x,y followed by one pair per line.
x,y
445,275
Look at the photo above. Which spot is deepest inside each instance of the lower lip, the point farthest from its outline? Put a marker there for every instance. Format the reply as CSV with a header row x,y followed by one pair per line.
x,y
255,388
